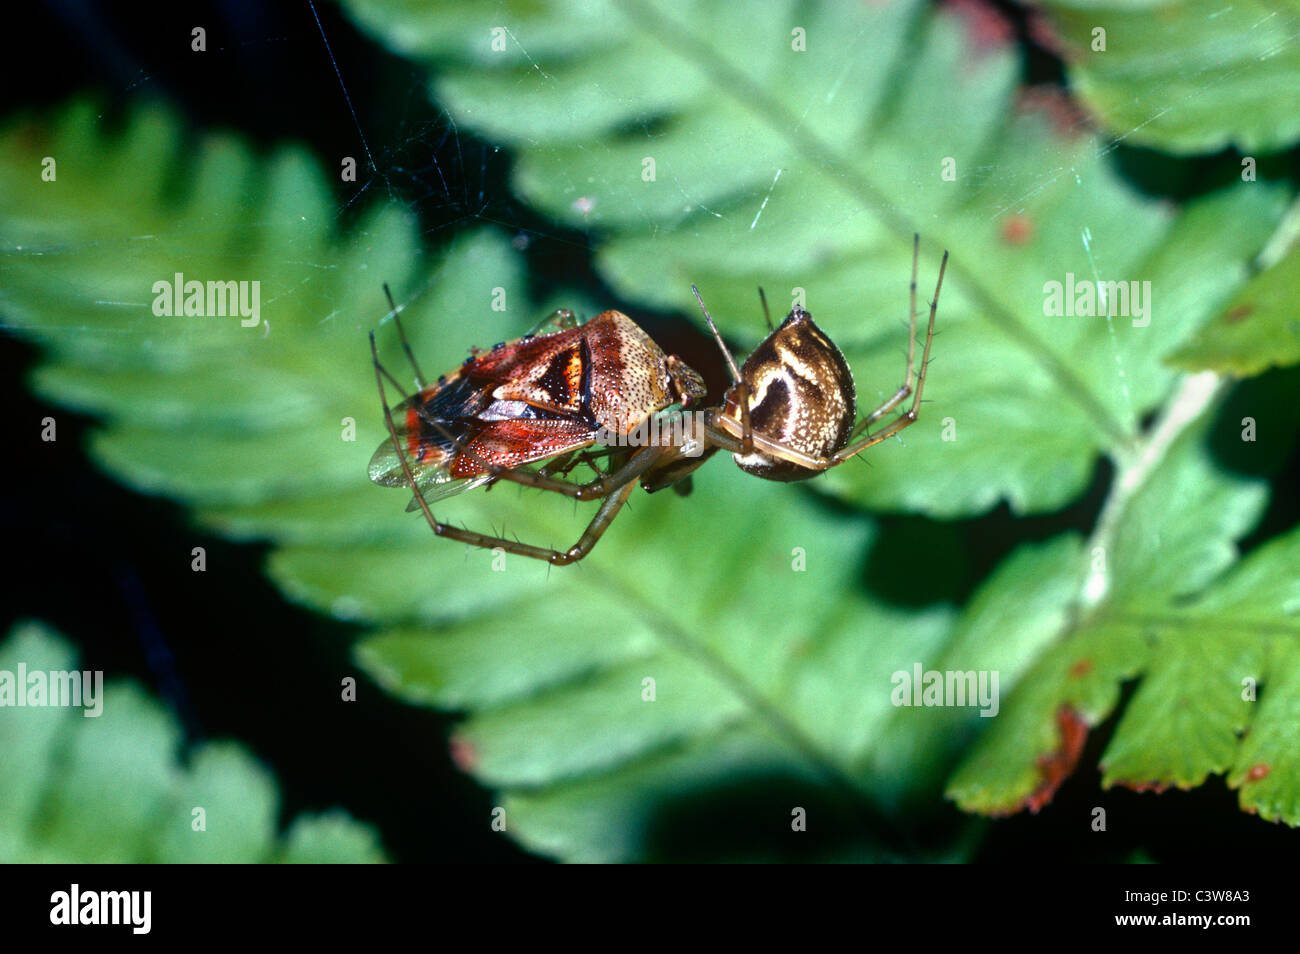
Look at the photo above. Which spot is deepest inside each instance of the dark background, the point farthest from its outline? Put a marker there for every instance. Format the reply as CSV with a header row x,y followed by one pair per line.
x,y
111,568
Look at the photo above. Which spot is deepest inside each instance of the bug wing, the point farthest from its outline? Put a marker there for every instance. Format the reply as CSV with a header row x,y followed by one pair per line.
x,y
385,468
431,467
515,443
548,373
435,482
500,409
430,427
433,491
492,444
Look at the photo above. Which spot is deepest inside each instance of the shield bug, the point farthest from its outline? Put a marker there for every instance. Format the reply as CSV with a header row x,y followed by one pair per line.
x,y
546,397
788,415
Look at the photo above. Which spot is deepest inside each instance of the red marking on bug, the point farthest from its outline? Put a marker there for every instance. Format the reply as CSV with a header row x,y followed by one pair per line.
x,y
1240,313
1257,772
1068,120
464,755
986,28
1058,765
1017,229
1081,668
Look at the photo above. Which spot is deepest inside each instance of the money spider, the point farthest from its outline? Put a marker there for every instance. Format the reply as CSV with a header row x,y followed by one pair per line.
x,y
584,394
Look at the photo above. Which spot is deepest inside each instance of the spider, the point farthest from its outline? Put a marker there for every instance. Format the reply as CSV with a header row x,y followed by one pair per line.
x,y
787,415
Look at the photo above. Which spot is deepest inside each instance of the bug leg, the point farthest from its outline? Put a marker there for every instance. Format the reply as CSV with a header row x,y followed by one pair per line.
x,y
560,465
381,371
767,315
637,465
593,461
563,465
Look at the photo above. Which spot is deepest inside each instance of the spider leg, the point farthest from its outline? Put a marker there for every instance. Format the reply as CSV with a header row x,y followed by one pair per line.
x,y
401,333
901,394
719,437
609,509
738,382
909,416
767,315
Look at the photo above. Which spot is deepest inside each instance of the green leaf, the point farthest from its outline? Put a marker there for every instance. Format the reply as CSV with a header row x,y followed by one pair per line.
x,y
771,662
1257,329
1016,616
329,838
101,782
1161,602
1185,75
772,170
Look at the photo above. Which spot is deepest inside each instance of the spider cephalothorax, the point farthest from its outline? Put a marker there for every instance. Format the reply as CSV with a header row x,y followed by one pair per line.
x,y
801,396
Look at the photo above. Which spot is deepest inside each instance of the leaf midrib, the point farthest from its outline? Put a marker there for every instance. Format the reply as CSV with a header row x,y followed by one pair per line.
x,y
1190,620
762,708
828,163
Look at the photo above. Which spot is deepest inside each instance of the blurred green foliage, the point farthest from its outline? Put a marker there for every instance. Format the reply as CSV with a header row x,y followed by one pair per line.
x,y
1184,76
107,788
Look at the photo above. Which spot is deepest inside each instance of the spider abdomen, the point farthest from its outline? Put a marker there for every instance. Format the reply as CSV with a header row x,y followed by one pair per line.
x,y
801,396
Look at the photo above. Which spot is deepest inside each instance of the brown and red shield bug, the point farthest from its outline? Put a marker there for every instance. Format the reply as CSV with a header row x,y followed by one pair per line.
x,y
788,415
545,397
